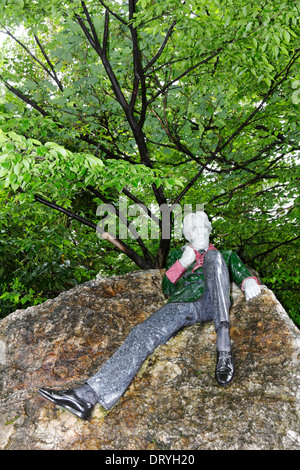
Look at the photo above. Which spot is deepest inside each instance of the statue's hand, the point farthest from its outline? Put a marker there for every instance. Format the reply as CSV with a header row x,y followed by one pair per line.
x,y
188,257
251,288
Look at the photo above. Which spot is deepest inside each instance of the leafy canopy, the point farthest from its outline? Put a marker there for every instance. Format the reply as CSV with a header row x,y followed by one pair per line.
x,y
174,102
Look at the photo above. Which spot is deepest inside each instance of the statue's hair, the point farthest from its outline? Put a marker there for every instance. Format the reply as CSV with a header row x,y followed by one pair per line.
x,y
189,219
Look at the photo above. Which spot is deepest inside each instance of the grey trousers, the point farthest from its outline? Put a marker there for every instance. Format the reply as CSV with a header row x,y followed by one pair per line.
x,y
111,381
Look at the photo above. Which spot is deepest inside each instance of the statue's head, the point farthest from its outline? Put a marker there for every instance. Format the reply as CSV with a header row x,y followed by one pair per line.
x,y
197,229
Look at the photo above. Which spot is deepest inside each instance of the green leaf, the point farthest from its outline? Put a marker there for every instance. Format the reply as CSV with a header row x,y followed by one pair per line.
x,y
296,96
296,84
287,36
277,40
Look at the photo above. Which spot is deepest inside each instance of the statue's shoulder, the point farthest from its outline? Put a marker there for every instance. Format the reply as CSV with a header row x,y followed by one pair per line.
x,y
226,252
226,255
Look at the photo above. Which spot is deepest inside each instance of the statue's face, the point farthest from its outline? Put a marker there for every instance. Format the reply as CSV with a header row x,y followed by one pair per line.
x,y
197,232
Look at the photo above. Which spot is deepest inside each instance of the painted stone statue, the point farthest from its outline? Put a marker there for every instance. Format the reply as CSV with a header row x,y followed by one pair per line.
x,y
197,284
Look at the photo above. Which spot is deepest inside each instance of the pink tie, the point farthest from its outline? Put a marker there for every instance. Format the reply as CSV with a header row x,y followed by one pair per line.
x,y
200,257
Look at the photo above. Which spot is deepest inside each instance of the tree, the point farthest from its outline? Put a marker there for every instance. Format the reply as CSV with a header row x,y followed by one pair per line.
x,y
166,103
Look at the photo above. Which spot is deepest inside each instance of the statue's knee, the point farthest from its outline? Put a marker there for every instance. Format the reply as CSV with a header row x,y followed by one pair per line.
x,y
213,257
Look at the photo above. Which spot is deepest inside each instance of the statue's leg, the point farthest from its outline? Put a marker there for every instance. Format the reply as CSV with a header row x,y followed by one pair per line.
x,y
215,305
115,375
216,296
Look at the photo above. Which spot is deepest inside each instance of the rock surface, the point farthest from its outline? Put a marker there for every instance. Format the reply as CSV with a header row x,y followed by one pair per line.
x,y
174,402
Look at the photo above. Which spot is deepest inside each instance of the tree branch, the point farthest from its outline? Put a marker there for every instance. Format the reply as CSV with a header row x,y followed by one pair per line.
x,y
158,54
113,13
86,31
55,77
139,76
96,41
192,182
190,69
135,126
137,259
24,98
138,201
258,176
105,34
105,150
241,127
274,248
51,74
259,156
44,113
146,253
264,100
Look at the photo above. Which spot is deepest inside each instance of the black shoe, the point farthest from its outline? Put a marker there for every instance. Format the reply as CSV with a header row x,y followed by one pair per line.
x,y
225,368
69,400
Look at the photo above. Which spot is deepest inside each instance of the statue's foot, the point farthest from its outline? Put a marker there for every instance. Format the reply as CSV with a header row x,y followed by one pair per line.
x,y
225,368
69,400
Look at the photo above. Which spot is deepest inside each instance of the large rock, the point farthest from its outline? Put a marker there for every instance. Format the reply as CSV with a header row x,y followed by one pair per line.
x,y
174,402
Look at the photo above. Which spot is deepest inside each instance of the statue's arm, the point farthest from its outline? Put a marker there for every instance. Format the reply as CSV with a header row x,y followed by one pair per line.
x,y
176,265
243,278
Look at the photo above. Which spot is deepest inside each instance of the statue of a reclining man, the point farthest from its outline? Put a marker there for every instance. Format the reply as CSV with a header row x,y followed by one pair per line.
x,y
197,282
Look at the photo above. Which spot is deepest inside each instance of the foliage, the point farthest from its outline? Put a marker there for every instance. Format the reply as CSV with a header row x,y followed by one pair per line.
x,y
43,254
174,102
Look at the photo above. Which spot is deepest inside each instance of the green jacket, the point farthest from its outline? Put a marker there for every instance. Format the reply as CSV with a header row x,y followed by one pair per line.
x,y
190,285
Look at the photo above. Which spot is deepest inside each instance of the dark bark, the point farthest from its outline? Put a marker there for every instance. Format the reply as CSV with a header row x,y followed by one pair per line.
x,y
137,259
